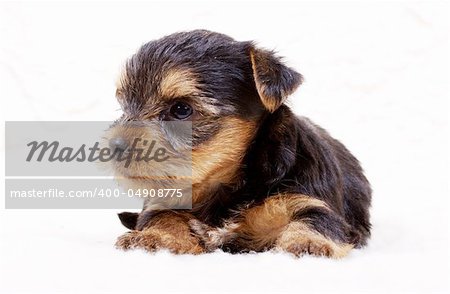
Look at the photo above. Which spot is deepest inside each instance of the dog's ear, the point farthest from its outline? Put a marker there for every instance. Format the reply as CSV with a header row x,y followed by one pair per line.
x,y
274,81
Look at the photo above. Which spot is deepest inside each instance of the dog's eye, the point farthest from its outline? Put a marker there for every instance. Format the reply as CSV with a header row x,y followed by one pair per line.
x,y
181,110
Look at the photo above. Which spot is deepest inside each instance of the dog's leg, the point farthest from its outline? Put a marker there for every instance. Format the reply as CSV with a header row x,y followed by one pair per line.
x,y
165,230
293,223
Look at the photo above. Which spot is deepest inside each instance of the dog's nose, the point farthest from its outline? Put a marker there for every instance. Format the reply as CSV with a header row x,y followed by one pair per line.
x,y
118,143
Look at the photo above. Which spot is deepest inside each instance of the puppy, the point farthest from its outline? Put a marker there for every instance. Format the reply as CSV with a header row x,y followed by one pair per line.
x,y
262,177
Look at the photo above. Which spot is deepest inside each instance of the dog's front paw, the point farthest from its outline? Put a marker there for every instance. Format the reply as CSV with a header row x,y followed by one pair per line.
x,y
137,239
153,240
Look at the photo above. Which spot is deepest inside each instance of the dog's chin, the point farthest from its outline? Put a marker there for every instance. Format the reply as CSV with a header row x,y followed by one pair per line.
x,y
137,179
135,171
158,193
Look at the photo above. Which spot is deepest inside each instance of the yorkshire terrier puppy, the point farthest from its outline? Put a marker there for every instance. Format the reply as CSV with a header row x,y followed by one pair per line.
x,y
262,177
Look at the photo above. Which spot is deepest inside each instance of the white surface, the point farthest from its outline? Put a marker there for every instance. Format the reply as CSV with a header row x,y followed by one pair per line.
x,y
376,77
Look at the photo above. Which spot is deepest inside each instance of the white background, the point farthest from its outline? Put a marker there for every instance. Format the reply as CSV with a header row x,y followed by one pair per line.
x,y
377,77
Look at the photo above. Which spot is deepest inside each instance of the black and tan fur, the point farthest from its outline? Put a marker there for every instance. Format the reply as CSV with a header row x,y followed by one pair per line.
x,y
263,178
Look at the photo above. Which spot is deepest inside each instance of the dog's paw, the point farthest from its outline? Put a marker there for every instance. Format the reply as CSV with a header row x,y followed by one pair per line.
x,y
212,238
137,239
310,247
298,239
316,247
154,240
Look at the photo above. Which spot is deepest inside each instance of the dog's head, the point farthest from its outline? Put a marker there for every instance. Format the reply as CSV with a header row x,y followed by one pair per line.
x,y
224,87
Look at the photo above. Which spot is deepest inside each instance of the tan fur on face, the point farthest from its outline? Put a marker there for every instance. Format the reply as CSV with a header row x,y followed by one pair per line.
x,y
218,160
178,83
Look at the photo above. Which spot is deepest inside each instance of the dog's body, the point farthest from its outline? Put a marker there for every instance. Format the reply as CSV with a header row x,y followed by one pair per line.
x,y
262,177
